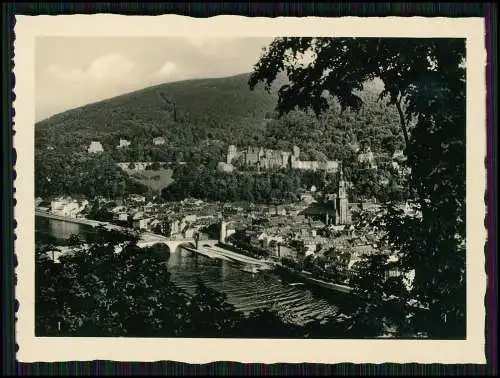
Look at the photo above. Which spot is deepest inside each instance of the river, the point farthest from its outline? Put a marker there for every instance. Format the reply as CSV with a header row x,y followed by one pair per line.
x,y
244,290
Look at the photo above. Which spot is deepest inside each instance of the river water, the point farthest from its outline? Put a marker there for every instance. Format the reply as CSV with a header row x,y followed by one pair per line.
x,y
244,290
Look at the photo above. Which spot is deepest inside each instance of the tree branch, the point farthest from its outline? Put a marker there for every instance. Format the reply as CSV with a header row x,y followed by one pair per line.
x,y
402,120
404,128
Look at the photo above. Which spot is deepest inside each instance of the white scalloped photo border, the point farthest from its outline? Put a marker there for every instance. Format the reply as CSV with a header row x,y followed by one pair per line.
x,y
46,349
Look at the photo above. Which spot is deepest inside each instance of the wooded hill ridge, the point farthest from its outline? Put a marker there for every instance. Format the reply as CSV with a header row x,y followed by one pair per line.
x,y
195,113
198,120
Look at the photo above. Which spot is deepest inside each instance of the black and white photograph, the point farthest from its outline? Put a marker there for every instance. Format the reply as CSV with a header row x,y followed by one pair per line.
x,y
257,187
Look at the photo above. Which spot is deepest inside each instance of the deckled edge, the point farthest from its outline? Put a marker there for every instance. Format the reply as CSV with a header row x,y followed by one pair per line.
x,y
12,115
489,197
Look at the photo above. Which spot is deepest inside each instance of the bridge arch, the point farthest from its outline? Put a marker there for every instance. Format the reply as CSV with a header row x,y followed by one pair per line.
x,y
159,247
172,245
185,244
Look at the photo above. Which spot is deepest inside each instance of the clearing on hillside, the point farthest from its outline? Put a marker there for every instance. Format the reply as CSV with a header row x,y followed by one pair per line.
x,y
154,179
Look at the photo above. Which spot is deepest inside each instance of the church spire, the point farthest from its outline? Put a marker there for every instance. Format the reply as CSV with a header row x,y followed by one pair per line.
x,y
342,193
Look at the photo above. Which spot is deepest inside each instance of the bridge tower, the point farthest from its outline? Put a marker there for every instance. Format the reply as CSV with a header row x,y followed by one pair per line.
x,y
223,231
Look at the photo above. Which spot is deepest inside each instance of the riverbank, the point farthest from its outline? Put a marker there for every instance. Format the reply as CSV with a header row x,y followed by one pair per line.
x,y
345,290
309,279
84,221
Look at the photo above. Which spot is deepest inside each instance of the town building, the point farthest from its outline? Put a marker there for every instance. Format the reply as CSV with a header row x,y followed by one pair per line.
x,y
285,251
271,240
66,207
366,157
190,218
141,223
189,232
175,227
398,163
95,147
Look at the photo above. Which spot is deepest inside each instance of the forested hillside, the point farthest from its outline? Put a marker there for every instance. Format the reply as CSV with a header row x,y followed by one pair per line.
x,y
198,120
183,112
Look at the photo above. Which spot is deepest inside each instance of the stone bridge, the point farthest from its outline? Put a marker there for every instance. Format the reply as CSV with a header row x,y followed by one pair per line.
x,y
149,240
206,247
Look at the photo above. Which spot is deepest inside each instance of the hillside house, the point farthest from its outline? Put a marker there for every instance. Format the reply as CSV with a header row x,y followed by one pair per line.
x,y
398,163
158,141
280,210
355,146
95,147
367,157
123,143
398,155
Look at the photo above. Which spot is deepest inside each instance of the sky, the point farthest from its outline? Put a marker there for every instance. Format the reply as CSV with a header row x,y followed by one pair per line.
x,y
71,72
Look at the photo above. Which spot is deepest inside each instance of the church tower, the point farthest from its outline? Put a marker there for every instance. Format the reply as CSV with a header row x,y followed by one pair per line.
x,y
342,200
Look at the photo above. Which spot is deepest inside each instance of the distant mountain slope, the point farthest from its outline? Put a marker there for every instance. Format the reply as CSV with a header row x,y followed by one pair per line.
x,y
198,120
222,110
183,112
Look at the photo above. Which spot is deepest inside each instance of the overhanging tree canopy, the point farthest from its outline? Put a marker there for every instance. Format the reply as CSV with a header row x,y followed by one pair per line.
x,y
425,80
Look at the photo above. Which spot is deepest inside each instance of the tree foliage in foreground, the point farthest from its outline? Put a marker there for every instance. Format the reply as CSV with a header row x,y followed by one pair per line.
x,y
425,80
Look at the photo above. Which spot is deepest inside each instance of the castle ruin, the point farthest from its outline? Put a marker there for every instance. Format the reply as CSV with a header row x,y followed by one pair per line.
x,y
267,159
